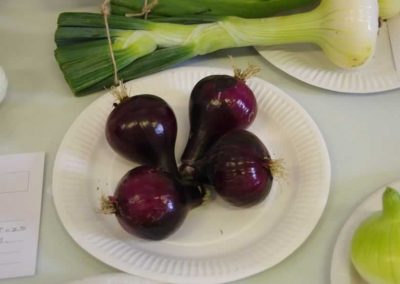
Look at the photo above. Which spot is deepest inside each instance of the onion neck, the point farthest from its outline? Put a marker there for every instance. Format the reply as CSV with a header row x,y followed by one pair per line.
x,y
120,93
196,194
168,164
108,205
274,166
195,148
391,203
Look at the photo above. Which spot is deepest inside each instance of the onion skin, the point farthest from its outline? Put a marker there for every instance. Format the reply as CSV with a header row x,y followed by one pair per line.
x,y
238,166
143,129
375,244
152,204
218,104
241,181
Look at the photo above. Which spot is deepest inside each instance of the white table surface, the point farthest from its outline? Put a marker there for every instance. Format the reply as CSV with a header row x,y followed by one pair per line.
x,y
362,133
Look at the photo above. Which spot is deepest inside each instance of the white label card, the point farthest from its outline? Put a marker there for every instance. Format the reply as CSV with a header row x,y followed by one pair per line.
x,y
21,187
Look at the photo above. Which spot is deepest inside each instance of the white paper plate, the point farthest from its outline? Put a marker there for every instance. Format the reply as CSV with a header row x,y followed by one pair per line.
x,y
308,63
342,270
115,278
217,242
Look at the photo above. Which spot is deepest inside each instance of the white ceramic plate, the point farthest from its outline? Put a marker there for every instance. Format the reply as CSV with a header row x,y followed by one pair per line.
x,y
342,270
217,242
115,278
307,63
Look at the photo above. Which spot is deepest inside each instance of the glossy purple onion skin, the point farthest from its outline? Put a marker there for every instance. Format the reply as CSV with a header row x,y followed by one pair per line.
x,y
218,104
238,167
143,129
150,203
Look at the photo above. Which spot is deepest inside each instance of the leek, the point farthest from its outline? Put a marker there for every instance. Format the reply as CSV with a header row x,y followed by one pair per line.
x,y
375,247
196,8
346,31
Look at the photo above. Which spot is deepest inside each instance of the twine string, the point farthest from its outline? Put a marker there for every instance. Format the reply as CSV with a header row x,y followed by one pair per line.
x,y
147,7
119,89
105,10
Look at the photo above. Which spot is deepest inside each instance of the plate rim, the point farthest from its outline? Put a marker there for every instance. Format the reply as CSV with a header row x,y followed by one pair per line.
x,y
313,220
348,226
113,276
263,52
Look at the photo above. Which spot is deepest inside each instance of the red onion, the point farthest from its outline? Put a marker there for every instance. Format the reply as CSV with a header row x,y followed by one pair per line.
x,y
150,203
239,167
218,104
143,129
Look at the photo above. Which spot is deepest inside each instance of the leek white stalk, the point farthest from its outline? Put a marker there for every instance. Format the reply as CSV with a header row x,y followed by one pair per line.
x,y
346,31
375,247
388,8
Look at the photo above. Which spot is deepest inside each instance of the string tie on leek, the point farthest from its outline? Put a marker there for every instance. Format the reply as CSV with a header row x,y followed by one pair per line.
x,y
118,90
146,9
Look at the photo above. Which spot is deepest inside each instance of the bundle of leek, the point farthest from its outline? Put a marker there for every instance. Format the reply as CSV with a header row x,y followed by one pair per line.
x,y
346,31
200,8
